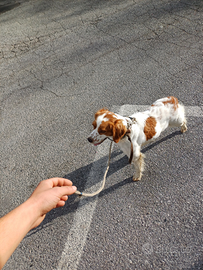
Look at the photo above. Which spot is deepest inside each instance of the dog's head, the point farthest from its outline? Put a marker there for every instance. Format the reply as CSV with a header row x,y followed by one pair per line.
x,y
106,125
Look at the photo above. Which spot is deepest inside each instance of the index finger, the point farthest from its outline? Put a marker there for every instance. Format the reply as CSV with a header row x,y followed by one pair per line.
x,y
59,182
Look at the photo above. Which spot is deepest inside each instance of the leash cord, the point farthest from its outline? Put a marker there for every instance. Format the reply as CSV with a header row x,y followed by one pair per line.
x,y
104,179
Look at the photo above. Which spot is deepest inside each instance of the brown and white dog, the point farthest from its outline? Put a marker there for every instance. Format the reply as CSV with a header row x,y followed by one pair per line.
x,y
141,128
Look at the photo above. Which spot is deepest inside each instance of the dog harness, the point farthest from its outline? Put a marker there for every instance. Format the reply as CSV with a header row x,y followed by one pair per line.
x,y
129,127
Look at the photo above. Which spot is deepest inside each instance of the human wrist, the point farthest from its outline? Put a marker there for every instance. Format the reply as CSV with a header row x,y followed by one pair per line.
x,y
31,210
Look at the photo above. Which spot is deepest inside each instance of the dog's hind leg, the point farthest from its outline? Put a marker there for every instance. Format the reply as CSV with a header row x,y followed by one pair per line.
x,y
178,118
139,167
181,118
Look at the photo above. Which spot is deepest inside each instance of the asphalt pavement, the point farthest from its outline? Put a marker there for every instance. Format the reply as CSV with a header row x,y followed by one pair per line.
x,y
61,61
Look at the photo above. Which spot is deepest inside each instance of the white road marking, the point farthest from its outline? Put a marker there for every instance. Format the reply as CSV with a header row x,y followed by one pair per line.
x,y
76,238
83,217
194,111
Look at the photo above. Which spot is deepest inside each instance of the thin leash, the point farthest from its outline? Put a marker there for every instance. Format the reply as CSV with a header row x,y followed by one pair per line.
x,y
104,179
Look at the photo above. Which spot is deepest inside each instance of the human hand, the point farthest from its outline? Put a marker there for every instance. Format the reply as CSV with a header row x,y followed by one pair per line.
x,y
49,194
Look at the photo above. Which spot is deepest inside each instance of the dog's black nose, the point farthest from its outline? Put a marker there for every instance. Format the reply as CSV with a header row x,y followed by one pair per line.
x,y
90,140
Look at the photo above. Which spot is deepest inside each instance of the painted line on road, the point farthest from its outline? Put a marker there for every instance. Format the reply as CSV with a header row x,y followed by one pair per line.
x,y
82,219
190,111
77,235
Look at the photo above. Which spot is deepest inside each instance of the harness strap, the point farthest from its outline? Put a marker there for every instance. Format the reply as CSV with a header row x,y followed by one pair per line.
x,y
133,121
131,151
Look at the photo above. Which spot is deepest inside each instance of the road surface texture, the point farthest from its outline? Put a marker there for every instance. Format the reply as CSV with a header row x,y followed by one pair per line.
x,y
61,61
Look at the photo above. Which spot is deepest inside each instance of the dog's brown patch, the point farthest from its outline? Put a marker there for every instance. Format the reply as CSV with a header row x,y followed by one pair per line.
x,y
106,128
97,114
100,112
119,130
111,127
114,128
172,100
149,129
109,115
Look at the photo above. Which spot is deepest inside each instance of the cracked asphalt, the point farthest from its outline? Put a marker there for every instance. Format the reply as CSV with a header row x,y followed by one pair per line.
x,y
60,61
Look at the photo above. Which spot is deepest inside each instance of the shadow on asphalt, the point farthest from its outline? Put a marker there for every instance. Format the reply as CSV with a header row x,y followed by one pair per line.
x,y
82,173
5,8
83,7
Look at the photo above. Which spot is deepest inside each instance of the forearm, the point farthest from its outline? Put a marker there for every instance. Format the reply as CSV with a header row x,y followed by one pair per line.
x,y
49,194
13,228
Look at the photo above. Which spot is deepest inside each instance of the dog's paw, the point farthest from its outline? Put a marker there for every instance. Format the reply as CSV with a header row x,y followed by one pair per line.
x,y
135,178
183,128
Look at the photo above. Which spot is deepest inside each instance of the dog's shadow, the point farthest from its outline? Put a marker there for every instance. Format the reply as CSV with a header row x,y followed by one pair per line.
x,y
152,145
79,178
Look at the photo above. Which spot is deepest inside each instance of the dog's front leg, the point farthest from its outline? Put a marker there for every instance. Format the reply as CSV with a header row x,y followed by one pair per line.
x,y
138,161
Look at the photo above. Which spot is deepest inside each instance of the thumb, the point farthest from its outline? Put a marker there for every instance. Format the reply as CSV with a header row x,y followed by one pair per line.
x,y
66,190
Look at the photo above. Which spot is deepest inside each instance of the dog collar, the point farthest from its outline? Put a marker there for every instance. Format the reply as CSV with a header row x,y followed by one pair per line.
x,y
132,121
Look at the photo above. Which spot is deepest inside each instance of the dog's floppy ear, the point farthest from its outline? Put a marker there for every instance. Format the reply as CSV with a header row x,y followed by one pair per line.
x,y
106,128
119,130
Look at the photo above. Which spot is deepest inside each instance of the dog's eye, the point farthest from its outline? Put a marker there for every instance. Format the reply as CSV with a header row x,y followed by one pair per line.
x,y
94,124
102,131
